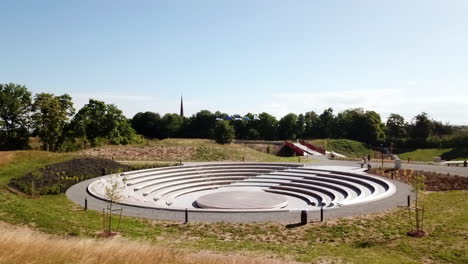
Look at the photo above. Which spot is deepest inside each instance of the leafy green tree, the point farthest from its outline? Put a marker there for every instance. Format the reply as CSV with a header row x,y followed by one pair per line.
x,y
267,126
396,129
50,116
253,134
241,128
374,128
15,108
360,125
202,125
287,126
311,125
327,124
97,120
171,125
300,126
147,124
420,129
224,132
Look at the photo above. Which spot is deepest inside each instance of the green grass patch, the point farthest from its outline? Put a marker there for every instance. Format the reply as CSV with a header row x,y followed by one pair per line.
x,y
379,238
429,154
349,148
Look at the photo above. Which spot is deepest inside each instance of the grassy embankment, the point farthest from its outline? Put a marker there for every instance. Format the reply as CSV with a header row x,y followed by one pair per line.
x,y
186,150
429,154
349,148
369,239
355,149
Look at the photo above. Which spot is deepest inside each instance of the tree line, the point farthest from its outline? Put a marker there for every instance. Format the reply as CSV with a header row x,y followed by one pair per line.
x,y
53,119
356,124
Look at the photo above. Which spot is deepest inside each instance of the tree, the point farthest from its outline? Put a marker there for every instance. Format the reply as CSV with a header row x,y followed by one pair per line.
x,y
224,132
15,108
360,125
147,124
300,126
267,126
287,126
202,125
420,129
417,182
97,120
171,125
50,116
312,125
374,127
327,124
114,186
396,129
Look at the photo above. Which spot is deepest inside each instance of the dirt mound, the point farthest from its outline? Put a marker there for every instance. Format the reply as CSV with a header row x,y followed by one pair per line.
x,y
434,181
163,153
57,178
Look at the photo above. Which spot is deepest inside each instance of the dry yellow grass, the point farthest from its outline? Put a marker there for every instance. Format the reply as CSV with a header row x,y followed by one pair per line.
x,y
6,157
23,245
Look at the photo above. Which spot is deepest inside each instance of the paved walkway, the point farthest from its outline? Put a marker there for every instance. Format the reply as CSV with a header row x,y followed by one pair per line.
x,y
452,170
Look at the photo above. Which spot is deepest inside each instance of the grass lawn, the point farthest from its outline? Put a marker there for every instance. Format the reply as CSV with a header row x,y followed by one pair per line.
x,y
423,154
378,238
429,154
349,148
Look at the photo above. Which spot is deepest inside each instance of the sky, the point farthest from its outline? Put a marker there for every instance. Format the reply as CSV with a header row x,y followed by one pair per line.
x,y
243,56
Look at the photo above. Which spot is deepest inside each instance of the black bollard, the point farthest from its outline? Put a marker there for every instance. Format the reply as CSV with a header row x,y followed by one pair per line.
x,y
85,204
186,216
409,201
303,217
321,213
465,164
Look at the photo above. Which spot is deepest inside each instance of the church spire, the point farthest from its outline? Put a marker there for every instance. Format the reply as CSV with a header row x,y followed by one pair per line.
x,y
181,106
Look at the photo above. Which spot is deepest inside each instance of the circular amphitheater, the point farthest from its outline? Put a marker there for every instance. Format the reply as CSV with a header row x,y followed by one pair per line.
x,y
264,191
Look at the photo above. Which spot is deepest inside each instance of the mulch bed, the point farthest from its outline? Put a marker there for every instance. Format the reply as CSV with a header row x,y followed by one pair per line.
x,y
433,181
57,178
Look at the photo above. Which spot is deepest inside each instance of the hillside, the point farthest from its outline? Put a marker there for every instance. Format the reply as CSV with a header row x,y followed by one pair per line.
x,y
429,154
376,238
349,148
184,150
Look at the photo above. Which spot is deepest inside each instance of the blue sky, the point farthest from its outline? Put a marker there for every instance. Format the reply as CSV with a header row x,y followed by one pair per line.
x,y
243,56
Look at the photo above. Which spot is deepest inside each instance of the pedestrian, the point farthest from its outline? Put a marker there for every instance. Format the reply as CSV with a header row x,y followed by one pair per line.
x,y
368,157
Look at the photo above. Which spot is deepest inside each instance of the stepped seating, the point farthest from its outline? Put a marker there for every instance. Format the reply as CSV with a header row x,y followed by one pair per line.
x,y
155,178
316,186
157,181
189,181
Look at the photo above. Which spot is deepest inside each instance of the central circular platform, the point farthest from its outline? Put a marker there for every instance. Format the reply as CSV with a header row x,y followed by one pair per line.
x,y
242,200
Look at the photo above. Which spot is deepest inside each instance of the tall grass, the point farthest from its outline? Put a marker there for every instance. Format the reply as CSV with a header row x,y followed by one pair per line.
x,y
23,245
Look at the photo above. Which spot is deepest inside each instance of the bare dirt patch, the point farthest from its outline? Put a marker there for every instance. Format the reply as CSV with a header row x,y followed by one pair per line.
x,y
163,153
434,181
6,157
